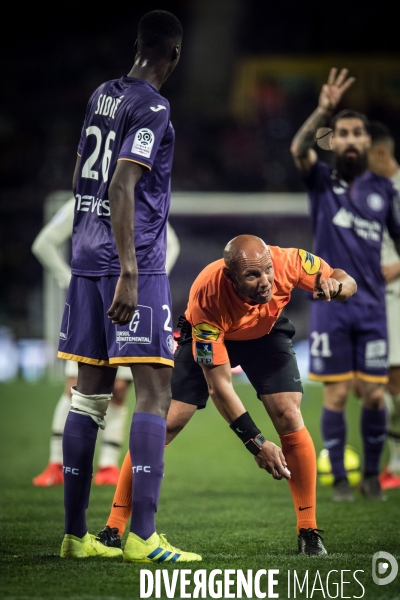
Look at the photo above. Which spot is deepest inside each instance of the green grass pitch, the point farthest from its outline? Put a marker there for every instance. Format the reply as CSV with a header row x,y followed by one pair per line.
x,y
214,501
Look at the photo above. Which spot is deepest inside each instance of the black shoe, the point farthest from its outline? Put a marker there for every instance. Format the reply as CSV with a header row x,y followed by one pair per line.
x,y
371,488
109,537
310,542
342,491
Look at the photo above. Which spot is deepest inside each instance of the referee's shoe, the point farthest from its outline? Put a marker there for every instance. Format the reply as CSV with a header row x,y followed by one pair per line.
x,y
310,542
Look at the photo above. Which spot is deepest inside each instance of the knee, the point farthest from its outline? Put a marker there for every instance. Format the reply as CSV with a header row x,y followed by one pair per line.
x,y
119,392
172,431
291,418
374,401
335,398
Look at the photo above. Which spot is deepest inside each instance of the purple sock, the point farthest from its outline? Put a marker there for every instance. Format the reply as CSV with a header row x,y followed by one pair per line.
x,y
146,446
79,440
333,426
373,432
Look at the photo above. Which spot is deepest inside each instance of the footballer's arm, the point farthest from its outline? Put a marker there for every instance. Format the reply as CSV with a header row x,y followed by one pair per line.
x,y
121,195
331,93
229,405
76,174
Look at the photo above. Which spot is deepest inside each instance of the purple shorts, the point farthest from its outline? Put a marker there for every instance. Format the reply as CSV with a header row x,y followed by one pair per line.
x,y
87,334
348,339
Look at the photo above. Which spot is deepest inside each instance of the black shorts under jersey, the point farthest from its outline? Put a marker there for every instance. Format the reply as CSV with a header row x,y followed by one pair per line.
x,y
269,363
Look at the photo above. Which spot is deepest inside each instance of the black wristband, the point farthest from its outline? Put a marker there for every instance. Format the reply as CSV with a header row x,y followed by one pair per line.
x,y
248,432
338,292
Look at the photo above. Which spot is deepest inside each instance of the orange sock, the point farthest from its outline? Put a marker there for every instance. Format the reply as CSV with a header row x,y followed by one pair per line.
x,y
298,449
121,509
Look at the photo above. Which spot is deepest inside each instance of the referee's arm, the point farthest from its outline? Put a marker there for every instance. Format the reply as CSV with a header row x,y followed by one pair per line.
x,y
269,456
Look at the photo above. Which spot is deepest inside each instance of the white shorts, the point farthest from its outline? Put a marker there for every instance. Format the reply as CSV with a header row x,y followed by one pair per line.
x,y
393,322
71,370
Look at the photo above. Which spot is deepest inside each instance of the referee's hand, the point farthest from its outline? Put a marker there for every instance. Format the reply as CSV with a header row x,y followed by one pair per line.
x,y
272,460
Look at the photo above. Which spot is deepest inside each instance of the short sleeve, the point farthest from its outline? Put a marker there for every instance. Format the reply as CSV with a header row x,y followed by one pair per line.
x,y
208,334
307,267
147,127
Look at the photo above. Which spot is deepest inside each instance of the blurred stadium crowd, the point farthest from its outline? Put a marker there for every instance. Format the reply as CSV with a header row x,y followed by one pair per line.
x,y
234,119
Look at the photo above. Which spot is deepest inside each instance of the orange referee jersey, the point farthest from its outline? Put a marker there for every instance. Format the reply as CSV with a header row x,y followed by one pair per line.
x,y
217,313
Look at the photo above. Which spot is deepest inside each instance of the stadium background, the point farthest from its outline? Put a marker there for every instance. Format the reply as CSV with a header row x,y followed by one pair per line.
x,y
249,75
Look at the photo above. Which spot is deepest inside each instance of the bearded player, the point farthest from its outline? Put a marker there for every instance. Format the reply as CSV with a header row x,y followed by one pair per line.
x,y
350,209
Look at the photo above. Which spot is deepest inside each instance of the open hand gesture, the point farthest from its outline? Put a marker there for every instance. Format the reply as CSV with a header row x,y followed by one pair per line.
x,y
333,91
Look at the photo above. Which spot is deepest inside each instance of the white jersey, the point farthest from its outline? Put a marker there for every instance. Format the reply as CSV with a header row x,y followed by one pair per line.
x,y
389,253
46,246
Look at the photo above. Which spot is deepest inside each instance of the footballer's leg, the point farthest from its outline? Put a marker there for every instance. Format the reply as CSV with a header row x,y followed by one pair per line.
x,y
271,366
179,414
112,437
390,477
332,363
334,434
372,373
88,409
83,339
373,431
146,447
53,473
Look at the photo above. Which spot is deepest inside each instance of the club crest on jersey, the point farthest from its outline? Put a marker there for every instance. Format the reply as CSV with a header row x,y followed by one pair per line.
x,y
143,142
375,201
204,353
310,263
205,331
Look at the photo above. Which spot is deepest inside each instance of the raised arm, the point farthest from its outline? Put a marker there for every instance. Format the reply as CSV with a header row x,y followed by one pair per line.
x,y
121,194
303,142
269,455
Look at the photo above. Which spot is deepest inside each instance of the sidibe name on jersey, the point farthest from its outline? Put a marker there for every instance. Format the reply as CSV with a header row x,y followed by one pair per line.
x,y
91,204
107,105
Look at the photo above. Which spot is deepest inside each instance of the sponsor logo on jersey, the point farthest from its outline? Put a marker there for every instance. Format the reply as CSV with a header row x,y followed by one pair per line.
x,y
343,218
375,201
376,354
339,190
170,343
368,230
310,263
139,330
91,204
205,331
157,108
143,142
204,353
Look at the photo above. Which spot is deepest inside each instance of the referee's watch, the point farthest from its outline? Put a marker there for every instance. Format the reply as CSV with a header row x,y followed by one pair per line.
x,y
254,444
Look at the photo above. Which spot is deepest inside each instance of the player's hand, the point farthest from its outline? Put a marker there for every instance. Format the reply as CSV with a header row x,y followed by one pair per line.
x,y
272,460
124,303
333,90
324,287
391,272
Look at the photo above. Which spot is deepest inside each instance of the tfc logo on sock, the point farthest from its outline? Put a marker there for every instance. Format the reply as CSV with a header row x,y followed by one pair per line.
x,y
72,471
146,469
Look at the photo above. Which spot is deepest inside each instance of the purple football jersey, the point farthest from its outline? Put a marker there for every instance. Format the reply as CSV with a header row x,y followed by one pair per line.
x,y
126,119
348,223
